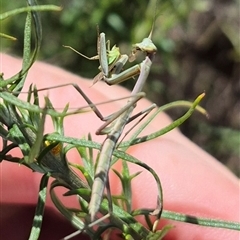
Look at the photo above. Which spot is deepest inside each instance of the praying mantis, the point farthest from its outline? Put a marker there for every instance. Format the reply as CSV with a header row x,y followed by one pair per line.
x,y
111,60
113,136
111,63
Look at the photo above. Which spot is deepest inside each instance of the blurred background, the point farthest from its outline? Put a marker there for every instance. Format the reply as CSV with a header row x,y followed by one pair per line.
x,y
198,51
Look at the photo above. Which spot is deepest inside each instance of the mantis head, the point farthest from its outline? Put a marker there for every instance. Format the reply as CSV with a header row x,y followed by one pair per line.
x,y
146,46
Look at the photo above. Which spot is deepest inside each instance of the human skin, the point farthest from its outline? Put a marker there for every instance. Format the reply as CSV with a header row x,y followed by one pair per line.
x,y
193,181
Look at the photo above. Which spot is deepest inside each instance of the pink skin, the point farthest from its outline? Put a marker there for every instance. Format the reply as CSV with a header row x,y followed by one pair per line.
x,y
193,181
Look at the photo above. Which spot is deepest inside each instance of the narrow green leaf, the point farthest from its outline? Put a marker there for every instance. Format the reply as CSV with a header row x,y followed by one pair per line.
x,y
30,8
168,128
39,139
201,221
17,137
68,214
3,35
38,216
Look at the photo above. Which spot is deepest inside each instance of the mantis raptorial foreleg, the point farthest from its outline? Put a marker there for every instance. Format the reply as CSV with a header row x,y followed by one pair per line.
x,y
111,60
146,46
